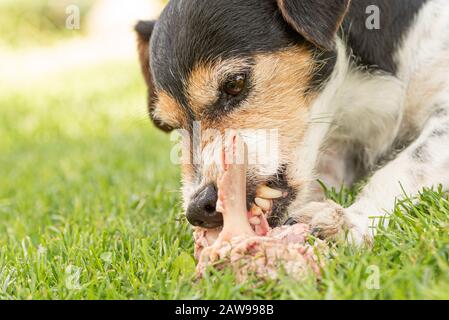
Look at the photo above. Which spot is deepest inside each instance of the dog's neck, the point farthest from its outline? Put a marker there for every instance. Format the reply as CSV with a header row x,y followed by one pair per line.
x,y
374,30
351,108
322,113
324,105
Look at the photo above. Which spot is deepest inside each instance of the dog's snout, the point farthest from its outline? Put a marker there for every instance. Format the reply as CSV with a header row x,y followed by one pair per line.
x,y
202,209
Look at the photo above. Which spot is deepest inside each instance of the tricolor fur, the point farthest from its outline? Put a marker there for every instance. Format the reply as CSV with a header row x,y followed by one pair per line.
x,y
349,103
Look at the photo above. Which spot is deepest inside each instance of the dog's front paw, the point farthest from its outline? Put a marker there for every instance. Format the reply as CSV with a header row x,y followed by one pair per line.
x,y
325,218
329,221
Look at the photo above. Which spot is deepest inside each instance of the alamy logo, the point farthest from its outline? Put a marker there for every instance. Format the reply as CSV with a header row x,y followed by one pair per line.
x,y
73,20
373,280
191,147
373,20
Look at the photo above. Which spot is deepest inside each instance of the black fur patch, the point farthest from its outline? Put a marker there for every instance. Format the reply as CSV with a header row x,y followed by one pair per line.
x,y
421,154
376,48
189,33
317,20
440,112
278,214
326,61
192,32
144,29
440,132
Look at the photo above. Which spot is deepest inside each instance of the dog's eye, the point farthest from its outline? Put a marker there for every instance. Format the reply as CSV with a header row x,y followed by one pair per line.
x,y
235,85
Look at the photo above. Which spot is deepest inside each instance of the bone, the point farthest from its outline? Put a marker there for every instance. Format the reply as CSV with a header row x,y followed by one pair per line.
x,y
232,187
266,192
262,251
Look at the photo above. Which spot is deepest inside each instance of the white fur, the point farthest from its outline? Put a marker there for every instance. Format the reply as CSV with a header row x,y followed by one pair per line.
x,y
373,111
307,152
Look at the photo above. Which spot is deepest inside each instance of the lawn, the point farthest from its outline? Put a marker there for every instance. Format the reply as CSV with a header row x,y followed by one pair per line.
x,y
90,209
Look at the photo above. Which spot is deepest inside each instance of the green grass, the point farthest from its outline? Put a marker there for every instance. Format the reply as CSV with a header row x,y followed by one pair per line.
x,y
90,208
26,23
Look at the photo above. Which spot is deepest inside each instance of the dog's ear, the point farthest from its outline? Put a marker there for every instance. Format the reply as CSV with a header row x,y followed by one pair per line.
x,y
144,30
316,20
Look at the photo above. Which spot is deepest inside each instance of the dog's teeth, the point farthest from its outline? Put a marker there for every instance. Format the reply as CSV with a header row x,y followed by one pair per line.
x,y
254,221
264,204
256,211
266,192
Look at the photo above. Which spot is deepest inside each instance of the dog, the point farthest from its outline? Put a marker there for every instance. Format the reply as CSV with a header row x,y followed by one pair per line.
x,y
351,101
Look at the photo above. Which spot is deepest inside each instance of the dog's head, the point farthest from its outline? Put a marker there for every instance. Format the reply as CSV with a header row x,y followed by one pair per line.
x,y
255,65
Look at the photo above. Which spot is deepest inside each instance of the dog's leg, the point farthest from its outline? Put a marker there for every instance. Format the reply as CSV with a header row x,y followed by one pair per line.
x,y
336,168
331,171
424,163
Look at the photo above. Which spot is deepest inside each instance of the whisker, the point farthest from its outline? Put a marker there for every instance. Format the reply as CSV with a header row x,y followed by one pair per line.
x,y
332,123
319,118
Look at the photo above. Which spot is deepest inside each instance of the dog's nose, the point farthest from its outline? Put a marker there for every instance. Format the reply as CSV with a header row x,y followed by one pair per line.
x,y
202,209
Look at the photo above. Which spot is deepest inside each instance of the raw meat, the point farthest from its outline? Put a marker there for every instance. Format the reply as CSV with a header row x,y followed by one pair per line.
x,y
246,243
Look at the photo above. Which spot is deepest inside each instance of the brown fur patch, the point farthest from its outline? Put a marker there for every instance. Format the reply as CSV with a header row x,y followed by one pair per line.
x,y
144,59
205,79
168,110
202,88
278,98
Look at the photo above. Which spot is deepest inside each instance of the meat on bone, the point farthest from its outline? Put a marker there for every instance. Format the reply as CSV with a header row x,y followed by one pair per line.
x,y
246,243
